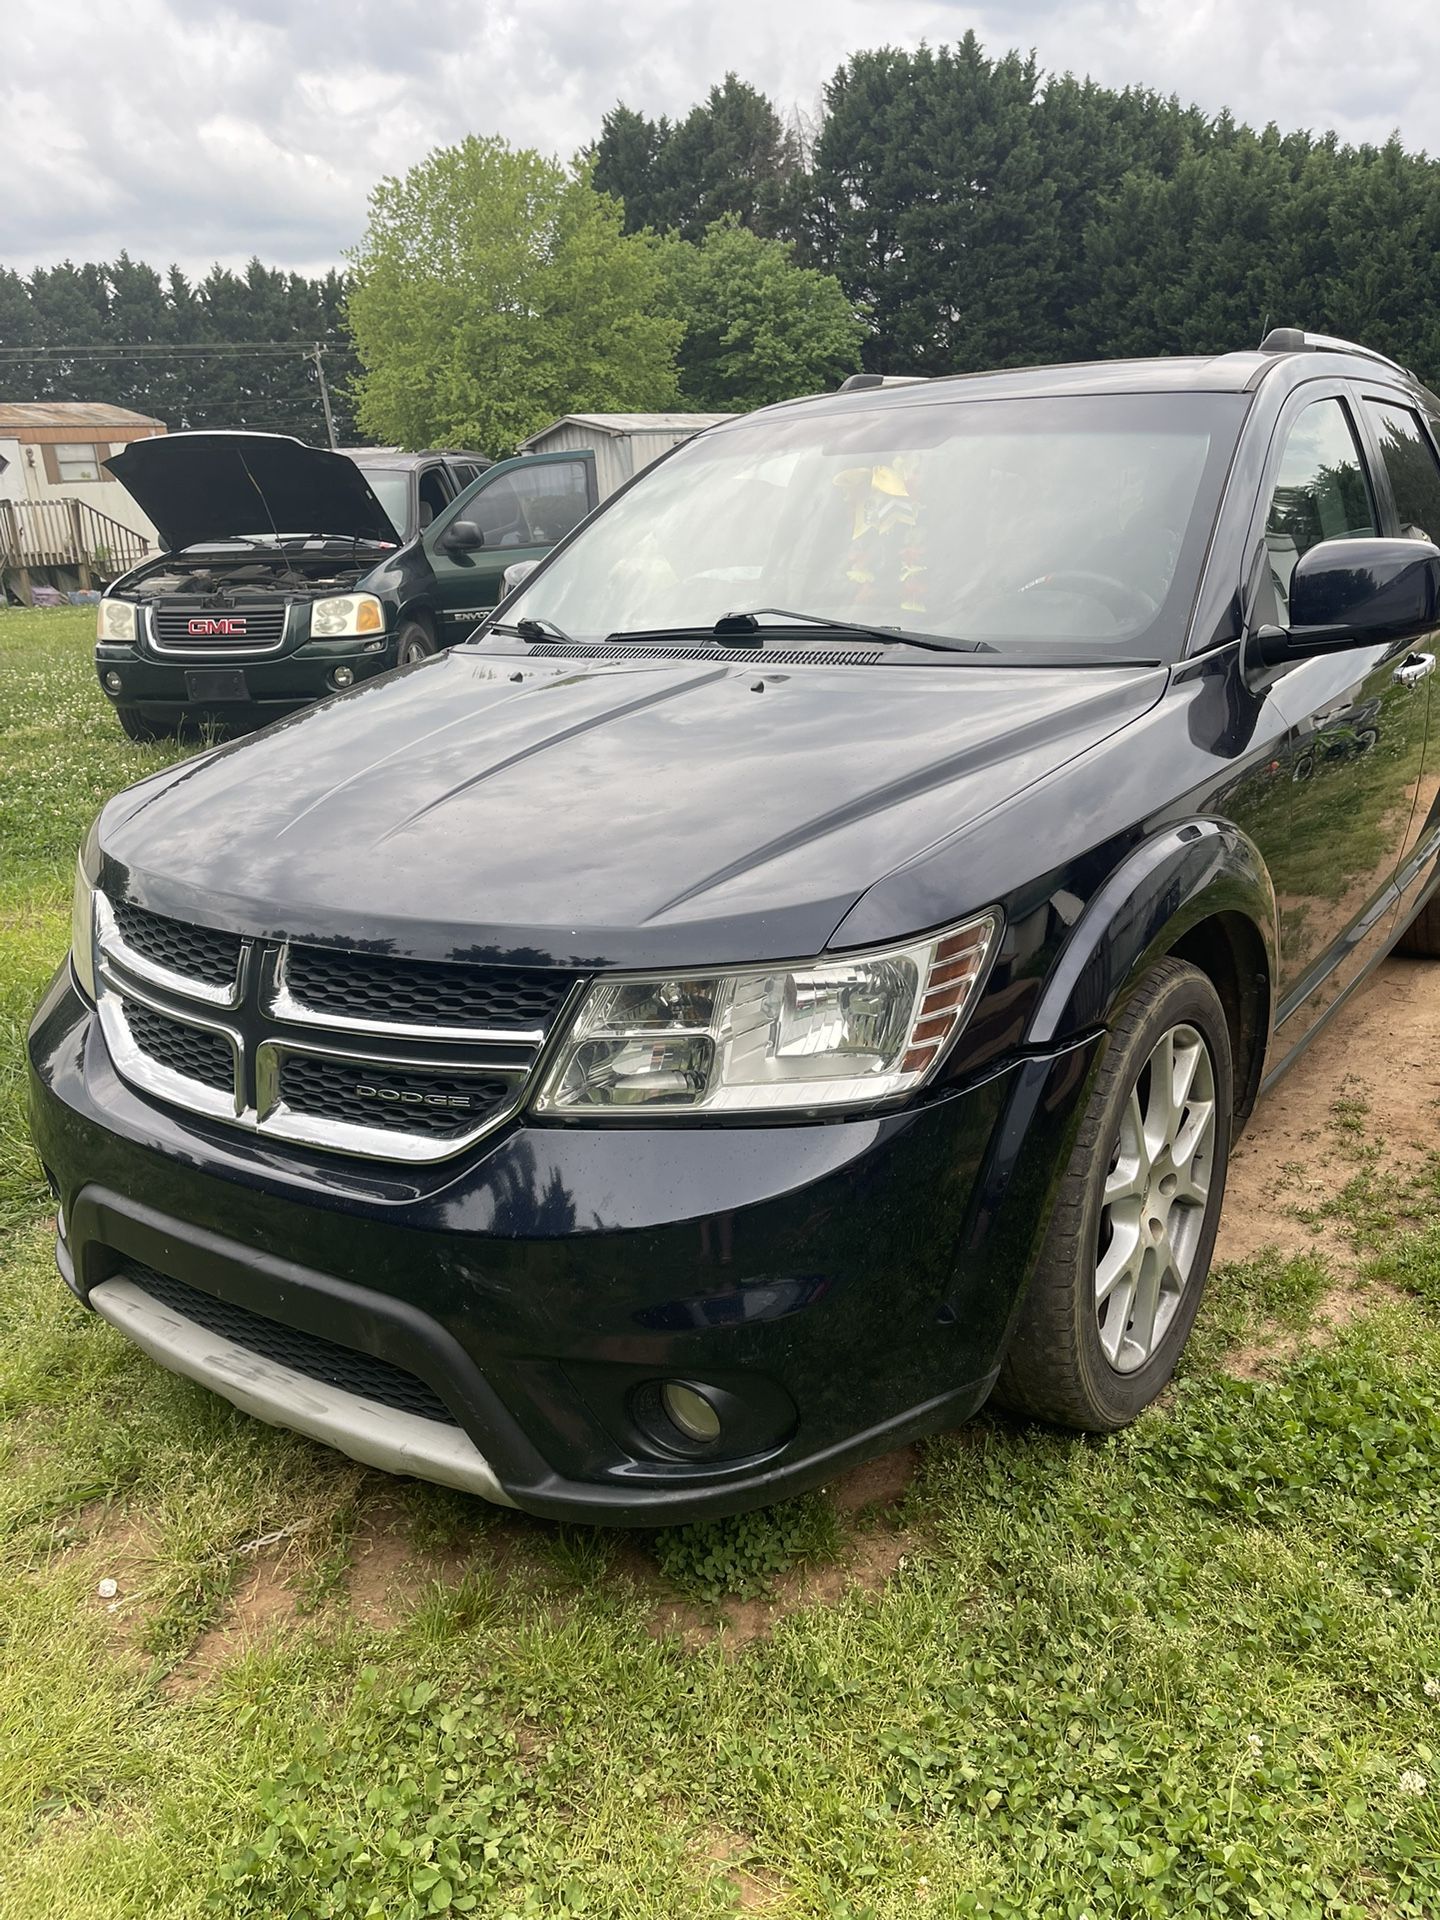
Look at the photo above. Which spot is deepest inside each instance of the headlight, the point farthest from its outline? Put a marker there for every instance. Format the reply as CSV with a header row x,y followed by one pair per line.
x,y
833,1032
344,615
115,621
82,914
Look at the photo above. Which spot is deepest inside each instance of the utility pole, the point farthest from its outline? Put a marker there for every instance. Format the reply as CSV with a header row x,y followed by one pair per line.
x,y
318,357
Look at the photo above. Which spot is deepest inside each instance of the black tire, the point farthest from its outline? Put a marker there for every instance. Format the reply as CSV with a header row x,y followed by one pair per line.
x,y
134,723
1422,936
1056,1368
413,642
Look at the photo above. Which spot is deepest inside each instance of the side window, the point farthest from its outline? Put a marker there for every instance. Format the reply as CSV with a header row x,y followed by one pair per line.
x,y
531,508
434,493
1321,492
1414,474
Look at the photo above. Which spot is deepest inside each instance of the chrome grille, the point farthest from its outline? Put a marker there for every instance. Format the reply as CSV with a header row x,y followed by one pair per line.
x,y
199,952
380,991
420,1061
402,1099
193,629
192,1052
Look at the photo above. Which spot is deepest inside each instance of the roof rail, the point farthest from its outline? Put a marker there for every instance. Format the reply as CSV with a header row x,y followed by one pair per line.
x,y
1296,340
859,382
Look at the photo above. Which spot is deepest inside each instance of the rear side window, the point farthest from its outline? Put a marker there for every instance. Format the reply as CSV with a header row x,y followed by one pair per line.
x,y
435,493
1414,474
1321,492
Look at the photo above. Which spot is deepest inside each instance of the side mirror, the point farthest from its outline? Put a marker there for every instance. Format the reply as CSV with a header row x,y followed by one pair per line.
x,y
462,536
517,571
1355,593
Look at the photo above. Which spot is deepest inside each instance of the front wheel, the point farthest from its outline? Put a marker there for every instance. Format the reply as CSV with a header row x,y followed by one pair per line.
x,y
138,728
414,642
1119,1279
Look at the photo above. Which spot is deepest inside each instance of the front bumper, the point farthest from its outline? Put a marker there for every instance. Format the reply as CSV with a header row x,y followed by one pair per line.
x,y
842,1287
274,684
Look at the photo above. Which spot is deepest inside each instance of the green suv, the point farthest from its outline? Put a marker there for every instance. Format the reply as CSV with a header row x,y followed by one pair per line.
x,y
284,578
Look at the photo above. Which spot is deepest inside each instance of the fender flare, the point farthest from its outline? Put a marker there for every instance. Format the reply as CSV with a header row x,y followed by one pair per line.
x,y
1193,871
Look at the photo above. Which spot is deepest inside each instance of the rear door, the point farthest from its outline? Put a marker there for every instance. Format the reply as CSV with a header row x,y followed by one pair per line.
x,y
522,508
1339,820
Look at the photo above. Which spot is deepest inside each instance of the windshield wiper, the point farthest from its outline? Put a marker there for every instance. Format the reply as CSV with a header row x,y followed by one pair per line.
x,y
528,629
745,630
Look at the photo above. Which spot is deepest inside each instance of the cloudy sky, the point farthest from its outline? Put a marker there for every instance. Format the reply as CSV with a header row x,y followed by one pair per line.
x,y
196,130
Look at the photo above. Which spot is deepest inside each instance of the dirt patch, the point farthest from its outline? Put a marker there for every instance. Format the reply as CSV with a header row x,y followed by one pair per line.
x,y
113,1547
1383,1051
1335,1310
262,1604
878,1483
380,1553
870,1560
729,1851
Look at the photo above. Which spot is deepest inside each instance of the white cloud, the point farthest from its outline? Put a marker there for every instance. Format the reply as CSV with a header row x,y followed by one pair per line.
x,y
187,131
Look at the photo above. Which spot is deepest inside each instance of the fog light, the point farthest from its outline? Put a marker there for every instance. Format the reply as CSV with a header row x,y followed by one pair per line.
x,y
342,677
112,681
691,1412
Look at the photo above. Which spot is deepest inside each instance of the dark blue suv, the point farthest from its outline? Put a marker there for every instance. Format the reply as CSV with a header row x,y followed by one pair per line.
x,y
800,967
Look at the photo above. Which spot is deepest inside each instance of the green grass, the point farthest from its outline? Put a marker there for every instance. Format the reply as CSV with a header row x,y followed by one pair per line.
x,y
1191,1670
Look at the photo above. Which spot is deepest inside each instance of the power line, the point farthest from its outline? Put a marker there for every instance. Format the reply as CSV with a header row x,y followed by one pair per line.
x,y
145,350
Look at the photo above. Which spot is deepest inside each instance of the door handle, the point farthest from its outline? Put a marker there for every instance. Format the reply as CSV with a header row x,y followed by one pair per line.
x,y
1416,668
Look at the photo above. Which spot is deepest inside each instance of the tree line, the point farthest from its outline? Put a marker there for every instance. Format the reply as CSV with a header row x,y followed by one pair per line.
x,y
944,210
181,378
979,212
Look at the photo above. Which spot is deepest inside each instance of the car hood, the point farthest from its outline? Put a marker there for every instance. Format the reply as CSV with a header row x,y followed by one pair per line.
x,y
206,486
488,805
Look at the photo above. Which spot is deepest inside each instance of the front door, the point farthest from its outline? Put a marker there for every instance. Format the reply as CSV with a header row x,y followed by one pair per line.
x,y
522,507
1404,450
1340,819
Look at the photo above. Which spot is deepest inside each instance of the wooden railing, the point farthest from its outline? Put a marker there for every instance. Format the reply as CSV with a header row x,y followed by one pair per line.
x,y
38,535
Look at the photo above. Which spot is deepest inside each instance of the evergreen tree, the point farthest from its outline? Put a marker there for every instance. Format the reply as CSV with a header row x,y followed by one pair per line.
x,y
934,208
731,154
126,303
625,161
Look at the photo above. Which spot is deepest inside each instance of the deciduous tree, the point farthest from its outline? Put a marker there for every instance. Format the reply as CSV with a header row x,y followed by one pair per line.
x,y
495,289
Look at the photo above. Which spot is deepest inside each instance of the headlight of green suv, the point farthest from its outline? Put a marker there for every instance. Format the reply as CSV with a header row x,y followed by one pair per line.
x,y
82,913
117,621
846,1030
346,615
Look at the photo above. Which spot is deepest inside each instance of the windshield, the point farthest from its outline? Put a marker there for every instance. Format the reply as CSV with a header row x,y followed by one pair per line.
x,y
391,487
1053,522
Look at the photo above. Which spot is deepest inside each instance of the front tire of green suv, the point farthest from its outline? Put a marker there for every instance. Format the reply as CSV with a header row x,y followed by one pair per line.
x,y
144,731
414,642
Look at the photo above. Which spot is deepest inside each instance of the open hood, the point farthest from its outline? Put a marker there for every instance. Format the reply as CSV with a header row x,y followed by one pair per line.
x,y
205,486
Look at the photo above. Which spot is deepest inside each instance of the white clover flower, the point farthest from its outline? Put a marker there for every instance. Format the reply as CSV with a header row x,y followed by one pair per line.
x,y
1413,1782
1255,1743
1432,1687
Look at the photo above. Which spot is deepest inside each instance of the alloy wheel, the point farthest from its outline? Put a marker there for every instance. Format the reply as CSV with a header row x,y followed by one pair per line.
x,y
1152,1211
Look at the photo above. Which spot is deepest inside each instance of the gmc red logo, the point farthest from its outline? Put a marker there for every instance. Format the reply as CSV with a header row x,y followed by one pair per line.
x,y
201,627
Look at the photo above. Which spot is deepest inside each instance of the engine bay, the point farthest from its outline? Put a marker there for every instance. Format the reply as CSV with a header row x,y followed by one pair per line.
x,y
211,575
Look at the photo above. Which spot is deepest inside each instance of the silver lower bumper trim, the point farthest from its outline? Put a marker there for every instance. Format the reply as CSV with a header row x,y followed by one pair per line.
x,y
380,1436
